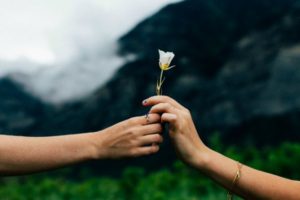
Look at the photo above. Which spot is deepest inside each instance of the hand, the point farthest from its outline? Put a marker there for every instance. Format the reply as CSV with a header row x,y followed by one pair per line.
x,y
182,130
134,137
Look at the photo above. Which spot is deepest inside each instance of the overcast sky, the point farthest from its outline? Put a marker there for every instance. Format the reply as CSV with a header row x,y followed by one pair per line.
x,y
44,31
45,39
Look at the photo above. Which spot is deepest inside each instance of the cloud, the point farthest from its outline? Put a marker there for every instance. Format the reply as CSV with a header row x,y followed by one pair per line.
x,y
66,48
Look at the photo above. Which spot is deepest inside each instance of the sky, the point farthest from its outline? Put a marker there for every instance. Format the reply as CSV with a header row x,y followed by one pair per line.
x,y
45,42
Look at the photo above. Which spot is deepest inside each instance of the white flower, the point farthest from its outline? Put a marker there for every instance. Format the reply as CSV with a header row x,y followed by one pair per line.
x,y
165,59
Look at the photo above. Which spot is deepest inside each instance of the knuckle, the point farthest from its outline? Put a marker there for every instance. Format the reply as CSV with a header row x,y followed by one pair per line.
x,y
155,116
165,98
187,111
158,119
167,105
133,132
164,106
133,143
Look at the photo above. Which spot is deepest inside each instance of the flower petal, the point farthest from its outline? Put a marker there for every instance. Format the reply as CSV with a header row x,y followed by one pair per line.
x,y
165,59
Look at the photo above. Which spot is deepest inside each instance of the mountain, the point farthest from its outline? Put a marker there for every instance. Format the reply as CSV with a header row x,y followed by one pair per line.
x,y
19,111
237,70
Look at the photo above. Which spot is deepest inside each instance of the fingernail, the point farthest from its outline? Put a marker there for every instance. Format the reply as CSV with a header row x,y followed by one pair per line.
x,y
145,101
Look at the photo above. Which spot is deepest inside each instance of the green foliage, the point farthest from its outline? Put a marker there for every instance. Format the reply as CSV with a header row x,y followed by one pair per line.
x,y
174,183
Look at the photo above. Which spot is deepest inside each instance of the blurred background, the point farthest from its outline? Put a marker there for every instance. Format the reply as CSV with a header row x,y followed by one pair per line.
x,y
79,66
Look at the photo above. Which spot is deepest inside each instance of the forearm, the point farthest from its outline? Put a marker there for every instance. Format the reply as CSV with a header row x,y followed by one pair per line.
x,y
129,138
20,155
252,184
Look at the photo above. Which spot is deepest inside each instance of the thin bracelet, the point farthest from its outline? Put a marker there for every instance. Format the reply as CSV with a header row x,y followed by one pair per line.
x,y
235,180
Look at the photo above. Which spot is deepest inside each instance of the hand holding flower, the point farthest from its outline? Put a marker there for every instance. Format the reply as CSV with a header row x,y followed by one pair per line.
x,y
237,178
182,130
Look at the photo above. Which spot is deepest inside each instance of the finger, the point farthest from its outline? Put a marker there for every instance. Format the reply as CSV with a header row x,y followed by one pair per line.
x,y
163,108
146,119
151,118
169,118
147,150
161,99
150,129
150,139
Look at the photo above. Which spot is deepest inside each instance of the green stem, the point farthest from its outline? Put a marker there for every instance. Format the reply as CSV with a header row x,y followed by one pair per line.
x,y
161,76
160,82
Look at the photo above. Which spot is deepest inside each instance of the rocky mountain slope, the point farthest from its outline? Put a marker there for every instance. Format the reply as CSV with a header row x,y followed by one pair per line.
x,y
19,111
237,70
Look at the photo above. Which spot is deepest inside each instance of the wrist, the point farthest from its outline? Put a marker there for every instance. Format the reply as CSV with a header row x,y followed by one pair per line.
x,y
96,149
202,158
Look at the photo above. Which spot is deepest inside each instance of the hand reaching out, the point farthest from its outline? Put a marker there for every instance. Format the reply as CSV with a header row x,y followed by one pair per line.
x,y
130,138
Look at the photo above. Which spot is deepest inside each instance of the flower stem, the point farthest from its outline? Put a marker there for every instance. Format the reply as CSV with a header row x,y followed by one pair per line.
x,y
158,92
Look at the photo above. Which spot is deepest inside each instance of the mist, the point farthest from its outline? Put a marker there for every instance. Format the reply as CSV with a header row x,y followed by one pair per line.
x,y
63,50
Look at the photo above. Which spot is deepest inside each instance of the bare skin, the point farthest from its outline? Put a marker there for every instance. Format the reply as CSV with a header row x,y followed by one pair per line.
x,y
134,137
253,184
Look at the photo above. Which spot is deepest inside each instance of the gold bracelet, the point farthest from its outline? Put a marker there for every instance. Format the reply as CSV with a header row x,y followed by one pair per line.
x,y
235,180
